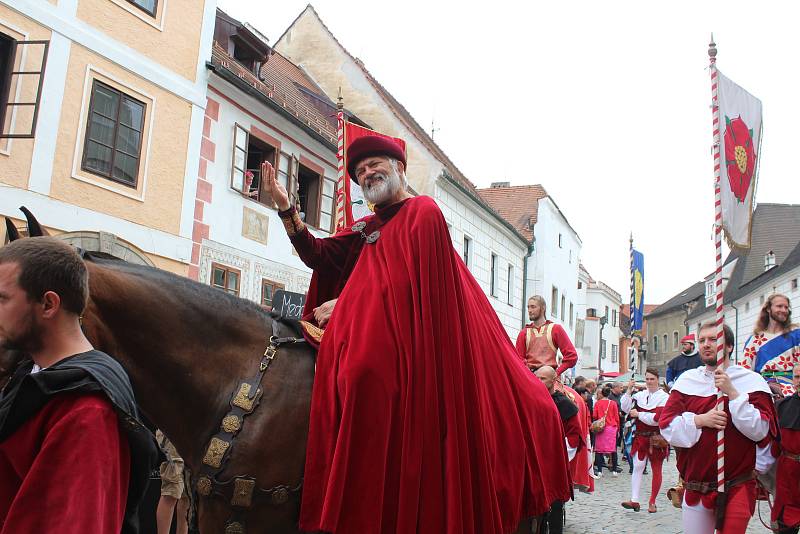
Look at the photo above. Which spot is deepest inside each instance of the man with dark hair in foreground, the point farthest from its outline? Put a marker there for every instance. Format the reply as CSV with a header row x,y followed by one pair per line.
x,y
74,458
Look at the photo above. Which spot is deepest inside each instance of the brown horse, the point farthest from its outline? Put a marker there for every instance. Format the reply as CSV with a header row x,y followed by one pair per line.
x,y
187,348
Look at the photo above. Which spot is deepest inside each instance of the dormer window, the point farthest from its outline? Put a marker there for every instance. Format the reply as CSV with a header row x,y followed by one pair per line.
x,y
769,260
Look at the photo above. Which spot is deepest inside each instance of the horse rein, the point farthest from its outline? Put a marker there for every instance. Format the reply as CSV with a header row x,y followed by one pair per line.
x,y
240,491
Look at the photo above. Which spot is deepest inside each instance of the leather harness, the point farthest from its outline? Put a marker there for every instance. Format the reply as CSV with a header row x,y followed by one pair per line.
x,y
240,491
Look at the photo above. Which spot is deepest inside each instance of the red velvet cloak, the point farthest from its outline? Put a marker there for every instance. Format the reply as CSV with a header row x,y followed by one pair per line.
x,y
423,419
66,469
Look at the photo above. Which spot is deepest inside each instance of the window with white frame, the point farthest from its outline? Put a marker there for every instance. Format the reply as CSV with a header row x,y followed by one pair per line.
x,y
571,315
510,284
467,251
113,145
554,302
614,353
493,276
711,292
249,153
148,6
563,307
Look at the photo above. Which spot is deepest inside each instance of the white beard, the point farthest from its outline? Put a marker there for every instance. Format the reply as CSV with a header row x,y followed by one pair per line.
x,y
383,190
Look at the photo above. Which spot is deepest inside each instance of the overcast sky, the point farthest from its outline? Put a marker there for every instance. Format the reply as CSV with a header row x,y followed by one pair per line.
x,y
606,104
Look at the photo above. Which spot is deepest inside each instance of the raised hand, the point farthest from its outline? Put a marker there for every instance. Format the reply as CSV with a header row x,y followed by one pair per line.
x,y
274,187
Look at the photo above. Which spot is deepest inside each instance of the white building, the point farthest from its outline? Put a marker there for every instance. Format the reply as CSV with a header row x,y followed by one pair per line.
x,y
264,109
598,335
771,265
551,268
492,248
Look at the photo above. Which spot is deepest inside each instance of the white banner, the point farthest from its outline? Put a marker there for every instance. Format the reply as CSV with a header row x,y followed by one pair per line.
x,y
740,143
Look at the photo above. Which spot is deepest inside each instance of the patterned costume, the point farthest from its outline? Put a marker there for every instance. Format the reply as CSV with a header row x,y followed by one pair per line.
x,y
773,356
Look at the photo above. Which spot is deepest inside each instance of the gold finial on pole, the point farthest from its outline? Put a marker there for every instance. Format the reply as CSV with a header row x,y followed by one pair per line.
x,y
712,50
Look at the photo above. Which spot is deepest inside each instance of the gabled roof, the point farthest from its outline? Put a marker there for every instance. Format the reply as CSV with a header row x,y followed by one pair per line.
x,y
776,228
519,205
280,83
625,308
690,294
402,114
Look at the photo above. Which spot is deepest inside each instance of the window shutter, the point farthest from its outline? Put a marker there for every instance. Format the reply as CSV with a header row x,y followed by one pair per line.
x,y
15,79
239,163
294,167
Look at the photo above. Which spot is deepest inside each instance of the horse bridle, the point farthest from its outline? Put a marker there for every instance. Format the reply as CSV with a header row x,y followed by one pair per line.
x,y
240,491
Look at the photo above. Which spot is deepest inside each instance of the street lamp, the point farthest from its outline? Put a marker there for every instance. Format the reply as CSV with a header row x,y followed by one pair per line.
x,y
603,322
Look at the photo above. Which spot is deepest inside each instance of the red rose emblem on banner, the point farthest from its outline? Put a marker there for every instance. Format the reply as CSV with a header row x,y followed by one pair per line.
x,y
740,158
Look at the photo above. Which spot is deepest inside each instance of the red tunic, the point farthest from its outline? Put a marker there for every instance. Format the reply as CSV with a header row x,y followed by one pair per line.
x,y
787,484
538,346
65,470
577,433
423,419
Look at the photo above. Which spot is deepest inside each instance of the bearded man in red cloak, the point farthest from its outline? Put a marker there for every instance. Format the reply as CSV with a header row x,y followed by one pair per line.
x,y
423,419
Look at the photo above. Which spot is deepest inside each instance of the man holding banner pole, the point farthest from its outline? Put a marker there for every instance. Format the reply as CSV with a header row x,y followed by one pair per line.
x,y
691,419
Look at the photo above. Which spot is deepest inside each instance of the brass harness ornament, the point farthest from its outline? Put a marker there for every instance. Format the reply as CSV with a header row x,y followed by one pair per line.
x,y
241,490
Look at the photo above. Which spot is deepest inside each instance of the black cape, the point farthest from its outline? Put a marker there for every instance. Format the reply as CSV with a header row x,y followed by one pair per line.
x,y
789,412
566,408
90,372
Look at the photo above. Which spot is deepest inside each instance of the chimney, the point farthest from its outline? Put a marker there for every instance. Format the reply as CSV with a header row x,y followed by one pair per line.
x,y
498,185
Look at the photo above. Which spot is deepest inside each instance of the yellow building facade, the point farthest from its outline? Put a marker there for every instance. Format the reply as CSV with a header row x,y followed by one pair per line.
x,y
102,106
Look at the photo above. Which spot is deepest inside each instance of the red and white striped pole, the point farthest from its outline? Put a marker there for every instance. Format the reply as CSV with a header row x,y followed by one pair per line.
x,y
341,196
712,54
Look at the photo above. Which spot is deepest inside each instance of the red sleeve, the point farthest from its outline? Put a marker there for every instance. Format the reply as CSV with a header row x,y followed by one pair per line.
x,y
569,357
521,342
613,414
674,407
658,411
763,403
572,429
326,254
78,481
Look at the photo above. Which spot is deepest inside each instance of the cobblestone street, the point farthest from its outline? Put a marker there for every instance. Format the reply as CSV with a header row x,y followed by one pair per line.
x,y
601,511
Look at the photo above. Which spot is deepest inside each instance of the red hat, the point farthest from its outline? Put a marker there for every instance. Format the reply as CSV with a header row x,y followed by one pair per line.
x,y
372,145
688,339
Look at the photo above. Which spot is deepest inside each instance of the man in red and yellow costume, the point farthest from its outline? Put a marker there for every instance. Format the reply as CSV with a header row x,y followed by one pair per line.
x,y
540,341
423,419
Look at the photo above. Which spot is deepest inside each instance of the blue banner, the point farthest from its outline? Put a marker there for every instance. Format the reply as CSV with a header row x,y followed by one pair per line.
x,y
637,300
